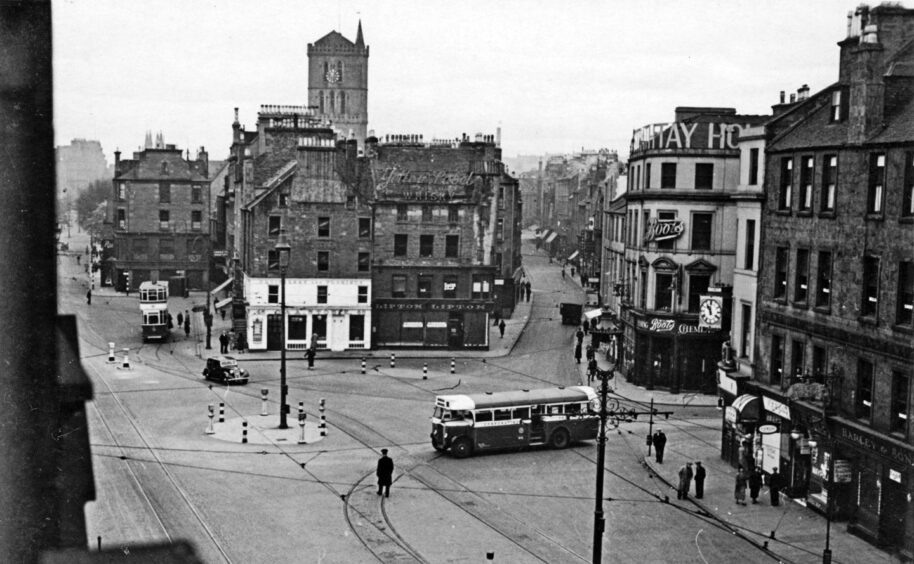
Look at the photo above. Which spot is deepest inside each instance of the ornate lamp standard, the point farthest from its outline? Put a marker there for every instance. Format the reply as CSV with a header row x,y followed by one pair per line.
x,y
283,250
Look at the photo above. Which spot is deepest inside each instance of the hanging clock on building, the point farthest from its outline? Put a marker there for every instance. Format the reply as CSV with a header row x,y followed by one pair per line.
x,y
710,312
332,75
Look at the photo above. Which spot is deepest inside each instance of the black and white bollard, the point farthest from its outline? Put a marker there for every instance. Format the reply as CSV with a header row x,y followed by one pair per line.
x,y
453,366
425,371
301,423
210,413
323,423
393,360
263,402
126,363
363,365
221,412
244,432
111,359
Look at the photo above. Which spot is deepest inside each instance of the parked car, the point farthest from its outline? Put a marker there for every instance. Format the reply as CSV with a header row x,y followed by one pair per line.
x,y
225,369
571,313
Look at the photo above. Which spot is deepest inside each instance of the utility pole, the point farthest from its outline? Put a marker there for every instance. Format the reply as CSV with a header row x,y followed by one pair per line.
x,y
611,414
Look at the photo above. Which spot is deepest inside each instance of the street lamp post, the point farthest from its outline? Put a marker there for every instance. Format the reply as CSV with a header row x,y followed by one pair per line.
x,y
283,250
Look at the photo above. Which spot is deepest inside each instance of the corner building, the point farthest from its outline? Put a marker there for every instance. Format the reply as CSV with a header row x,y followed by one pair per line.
x,y
680,244
835,334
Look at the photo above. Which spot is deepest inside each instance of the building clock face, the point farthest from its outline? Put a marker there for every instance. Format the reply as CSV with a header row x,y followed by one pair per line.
x,y
710,311
332,75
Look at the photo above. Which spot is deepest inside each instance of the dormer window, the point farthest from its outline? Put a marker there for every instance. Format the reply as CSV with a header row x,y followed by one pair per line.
x,y
838,109
164,167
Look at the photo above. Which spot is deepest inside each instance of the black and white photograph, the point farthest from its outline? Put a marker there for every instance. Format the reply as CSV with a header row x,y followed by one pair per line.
x,y
516,281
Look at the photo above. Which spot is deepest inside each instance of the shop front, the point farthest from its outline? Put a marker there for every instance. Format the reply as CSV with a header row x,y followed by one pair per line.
x,y
674,353
421,323
741,418
336,329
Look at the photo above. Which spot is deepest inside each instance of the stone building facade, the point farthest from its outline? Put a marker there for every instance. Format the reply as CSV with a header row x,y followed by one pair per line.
x,y
338,83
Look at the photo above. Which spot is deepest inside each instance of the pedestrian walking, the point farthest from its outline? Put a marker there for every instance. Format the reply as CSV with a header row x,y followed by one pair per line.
x,y
563,273
309,354
585,327
501,328
590,353
78,258
583,280
577,353
775,483
187,326
685,481
223,343
385,473
169,320
529,289
659,445
572,272
222,312
739,492
700,475
591,370
755,484
89,297
580,336
180,319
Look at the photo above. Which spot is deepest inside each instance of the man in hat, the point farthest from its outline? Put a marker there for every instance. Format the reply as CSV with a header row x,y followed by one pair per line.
x,y
699,480
385,473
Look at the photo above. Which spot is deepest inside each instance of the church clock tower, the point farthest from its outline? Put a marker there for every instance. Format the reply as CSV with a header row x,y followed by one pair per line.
x,y
338,83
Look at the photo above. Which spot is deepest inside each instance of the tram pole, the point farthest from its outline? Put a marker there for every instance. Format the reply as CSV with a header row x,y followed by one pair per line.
x,y
599,522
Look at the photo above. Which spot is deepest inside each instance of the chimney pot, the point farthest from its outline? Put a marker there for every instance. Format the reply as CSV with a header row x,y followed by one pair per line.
x,y
782,96
793,98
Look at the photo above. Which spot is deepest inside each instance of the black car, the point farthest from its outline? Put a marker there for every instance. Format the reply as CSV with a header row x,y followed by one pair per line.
x,y
225,369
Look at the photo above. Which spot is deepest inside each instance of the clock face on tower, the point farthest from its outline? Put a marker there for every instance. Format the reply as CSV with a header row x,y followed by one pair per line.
x,y
332,76
710,311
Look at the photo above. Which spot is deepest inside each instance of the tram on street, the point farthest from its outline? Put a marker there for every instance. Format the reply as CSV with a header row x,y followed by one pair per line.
x,y
154,309
467,423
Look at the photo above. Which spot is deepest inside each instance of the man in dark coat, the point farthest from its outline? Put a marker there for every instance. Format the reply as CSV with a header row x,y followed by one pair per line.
x,y
180,319
501,328
577,353
580,336
685,481
529,290
223,343
659,444
385,473
186,326
309,354
755,484
700,475
775,483
89,297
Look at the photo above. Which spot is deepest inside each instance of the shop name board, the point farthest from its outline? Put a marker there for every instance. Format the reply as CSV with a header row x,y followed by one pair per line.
x,y
661,230
432,306
883,448
421,185
776,407
661,325
680,135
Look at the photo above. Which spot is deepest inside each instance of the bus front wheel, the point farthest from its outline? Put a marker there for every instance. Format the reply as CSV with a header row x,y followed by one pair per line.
x,y
560,438
461,448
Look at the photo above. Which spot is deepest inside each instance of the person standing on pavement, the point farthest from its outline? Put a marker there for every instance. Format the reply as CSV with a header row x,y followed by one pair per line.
x,y
659,444
311,352
385,473
180,319
501,328
186,326
699,480
89,297
739,492
223,343
775,483
685,481
755,484
591,370
529,290
563,273
580,336
577,353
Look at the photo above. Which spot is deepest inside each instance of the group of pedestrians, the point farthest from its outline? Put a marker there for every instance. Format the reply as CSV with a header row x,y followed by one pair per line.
x,y
753,480
686,475
524,290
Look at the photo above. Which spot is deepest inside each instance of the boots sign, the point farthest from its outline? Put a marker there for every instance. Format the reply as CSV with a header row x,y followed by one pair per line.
x,y
660,230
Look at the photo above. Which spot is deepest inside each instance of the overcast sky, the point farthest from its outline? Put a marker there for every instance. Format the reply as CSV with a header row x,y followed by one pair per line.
x,y
555,75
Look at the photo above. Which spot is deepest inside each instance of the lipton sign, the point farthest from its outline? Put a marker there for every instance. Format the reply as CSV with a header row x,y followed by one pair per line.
x,y
660,230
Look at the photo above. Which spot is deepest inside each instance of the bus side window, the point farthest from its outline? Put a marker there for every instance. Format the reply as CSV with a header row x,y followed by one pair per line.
x,y
522,413
502,414
555,410
573,408
483,416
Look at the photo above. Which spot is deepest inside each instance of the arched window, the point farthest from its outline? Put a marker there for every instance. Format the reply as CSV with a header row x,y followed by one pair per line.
x,y
332,102
320,101
339,68
342,102
326,67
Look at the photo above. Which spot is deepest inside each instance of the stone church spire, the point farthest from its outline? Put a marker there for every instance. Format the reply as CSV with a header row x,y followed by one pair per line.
x,y
359,40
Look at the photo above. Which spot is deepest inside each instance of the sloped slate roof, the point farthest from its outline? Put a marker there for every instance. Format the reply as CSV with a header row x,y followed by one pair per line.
x,y
815,130
899,129
333,39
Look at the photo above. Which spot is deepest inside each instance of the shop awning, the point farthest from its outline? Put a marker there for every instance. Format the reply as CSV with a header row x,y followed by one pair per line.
x,y
593,313
748,407
551,236
574,255
222,303
220,287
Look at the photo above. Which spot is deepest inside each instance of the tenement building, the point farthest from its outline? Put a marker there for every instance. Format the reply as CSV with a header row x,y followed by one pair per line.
x,y
292,183
446,240
835,338
160,213
680,245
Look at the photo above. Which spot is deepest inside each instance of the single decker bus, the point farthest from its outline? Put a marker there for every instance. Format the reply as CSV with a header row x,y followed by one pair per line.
x,y
154,309
466,423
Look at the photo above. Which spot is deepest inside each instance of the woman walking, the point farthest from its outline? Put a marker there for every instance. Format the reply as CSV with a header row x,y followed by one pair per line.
x,y
741,481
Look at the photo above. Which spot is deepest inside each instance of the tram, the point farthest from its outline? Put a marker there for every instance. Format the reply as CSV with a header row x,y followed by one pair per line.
x,y
154,309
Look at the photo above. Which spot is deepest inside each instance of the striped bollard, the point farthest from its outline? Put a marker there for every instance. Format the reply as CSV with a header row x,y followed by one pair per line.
x,y
425,371
221,412
363,365
126,364
244,432
263,404
301,423
323,423
111,359
301,407
210,413
393,360
453,366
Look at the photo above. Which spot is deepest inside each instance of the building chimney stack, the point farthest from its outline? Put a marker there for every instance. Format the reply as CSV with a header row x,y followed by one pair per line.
x,y
793,98
782,96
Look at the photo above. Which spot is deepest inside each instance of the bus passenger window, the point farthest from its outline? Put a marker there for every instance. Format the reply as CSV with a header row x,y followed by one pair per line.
x,y
555,409
483,416
502,414
522,413
573,408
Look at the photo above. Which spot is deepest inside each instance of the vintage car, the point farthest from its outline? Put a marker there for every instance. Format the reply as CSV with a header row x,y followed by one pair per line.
x,y
225,369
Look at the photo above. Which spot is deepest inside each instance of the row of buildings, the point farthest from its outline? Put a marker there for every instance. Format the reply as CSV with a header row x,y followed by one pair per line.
x,y
394,241
770,259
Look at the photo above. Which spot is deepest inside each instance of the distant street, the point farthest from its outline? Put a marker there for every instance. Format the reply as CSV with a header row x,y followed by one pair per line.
x,y
160,478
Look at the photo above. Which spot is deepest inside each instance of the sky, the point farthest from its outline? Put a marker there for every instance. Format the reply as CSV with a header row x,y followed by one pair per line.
x,y
555,75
